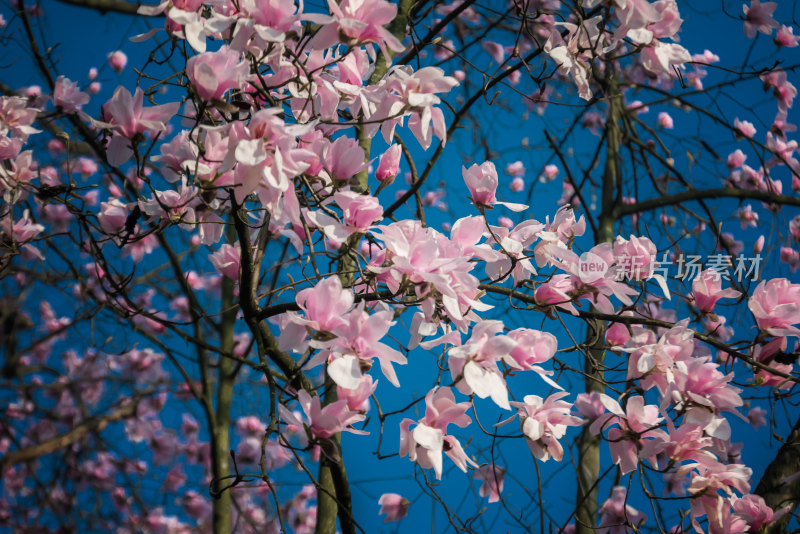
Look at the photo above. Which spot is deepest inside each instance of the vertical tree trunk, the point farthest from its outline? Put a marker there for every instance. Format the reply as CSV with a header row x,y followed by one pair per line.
x,y
589,446
774,488
220,438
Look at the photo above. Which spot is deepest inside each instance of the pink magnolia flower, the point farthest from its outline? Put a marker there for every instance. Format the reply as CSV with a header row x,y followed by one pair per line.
x,y
117,60
756,416
555,292
324,422
344,158
665,121
195,505
127,117
533,347
765,353
358,397
22,232
636,428
389,165
516,168
505,222
394,506
755,512
635,257
714,476
113,215
517,184
776,306
492,478
782,89
544,422
495,50
758,18
616,516
707,290
214,73
226,260
736,159
358,343
9,148
425,257
359,212
426,442
441,409
747,217
744,128
250,426
363,21
325,305
415,91
68,96
785,37
550,173
618,334
474,364
16,117
422,445
790,257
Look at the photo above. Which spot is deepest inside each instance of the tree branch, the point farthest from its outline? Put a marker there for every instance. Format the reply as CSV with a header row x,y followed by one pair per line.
x,y
698,194
111,6
92,426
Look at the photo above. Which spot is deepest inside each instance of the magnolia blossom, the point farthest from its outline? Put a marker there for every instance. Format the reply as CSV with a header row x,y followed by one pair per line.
x,y
758,18
324,422
616,515
67,96
516,168
389,165
226,260
214,73
117,60
492,477
785,37
482,183
359,212
394,506
544,423
776,306
637,425
755,512
128,117
665,121
113,215
707,290
426,442
744,128
363,21
325,305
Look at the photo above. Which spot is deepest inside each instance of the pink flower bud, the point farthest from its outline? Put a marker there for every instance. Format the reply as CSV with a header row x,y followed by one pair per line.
x,y
759,245
665,121
389,165
744,128
117,60
482,182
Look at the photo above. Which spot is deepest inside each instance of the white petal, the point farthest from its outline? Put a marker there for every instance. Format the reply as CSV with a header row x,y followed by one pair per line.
x,y
345,371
